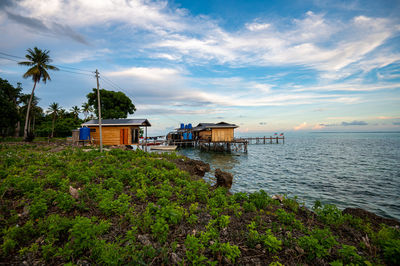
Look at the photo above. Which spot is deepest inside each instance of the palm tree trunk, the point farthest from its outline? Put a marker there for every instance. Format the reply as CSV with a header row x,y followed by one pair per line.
x,y
27,112
17,129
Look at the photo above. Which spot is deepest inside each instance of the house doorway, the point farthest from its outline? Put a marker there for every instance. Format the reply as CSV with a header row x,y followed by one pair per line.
x,y
123,136
135,135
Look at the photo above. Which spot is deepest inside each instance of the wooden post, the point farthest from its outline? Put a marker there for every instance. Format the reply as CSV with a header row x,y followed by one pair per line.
x,y
264,139
270,140
146,138
99,109
277,140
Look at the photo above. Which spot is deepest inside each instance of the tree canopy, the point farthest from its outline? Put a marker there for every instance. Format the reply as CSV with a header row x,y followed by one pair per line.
x,y
9,97
114,104
38,61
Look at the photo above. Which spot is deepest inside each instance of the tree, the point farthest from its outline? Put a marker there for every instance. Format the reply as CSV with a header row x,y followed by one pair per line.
x,y
86,109
39,64
9,99
113,104
54,110
34,109
75,110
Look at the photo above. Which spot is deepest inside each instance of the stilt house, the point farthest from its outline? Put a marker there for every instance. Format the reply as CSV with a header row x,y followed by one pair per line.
x,y
210,132
117,131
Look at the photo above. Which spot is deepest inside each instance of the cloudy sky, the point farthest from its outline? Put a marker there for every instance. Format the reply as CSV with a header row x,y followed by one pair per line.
x,y
265,65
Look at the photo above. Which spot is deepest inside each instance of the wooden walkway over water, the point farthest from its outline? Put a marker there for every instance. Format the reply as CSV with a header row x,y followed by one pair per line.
x,y
237,145
265,140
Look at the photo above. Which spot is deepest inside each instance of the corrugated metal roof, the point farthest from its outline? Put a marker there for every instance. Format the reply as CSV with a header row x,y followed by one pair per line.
x,y
118,122
203,126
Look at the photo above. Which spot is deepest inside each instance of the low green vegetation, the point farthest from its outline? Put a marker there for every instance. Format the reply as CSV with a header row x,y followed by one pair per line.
x,y
78,206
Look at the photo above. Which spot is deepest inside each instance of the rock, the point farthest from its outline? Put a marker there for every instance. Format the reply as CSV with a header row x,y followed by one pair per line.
x,y
371,217
74,192
194,167
278,197
82,263
144,239
224,179
175,259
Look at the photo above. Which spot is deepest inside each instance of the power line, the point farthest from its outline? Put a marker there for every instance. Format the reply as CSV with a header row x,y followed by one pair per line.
x,y
9,59
12,55
69,71
74,68
110,82
58,66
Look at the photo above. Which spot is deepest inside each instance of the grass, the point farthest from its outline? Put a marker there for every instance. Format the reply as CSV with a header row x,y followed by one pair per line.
x,y
139,208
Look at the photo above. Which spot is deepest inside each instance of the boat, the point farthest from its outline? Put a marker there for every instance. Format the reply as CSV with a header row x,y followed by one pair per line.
x,y
164,148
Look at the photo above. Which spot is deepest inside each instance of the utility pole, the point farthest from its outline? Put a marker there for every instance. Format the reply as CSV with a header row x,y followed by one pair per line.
x,y
99,108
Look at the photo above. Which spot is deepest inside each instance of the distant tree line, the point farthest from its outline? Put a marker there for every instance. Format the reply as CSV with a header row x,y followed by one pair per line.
x,y
19,109
55,121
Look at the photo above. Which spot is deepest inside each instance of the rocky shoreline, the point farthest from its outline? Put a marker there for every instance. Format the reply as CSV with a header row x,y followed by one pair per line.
x,y
71,207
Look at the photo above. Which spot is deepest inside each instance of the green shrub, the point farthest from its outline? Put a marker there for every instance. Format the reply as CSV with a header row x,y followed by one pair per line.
x,y
160,230
318,244
260,199
194,250
38,208
64,201
249,207
389,241
292,204
329,214
289,219
17,235
192,219
171,213
268,240
84,233
349,254
230,252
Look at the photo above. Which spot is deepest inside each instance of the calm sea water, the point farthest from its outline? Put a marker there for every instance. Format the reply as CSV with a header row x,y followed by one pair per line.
x,y
346,169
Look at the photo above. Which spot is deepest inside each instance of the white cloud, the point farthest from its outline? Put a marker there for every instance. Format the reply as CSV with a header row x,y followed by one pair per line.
x,y
257,26
148,73
70,57
301,126
175,35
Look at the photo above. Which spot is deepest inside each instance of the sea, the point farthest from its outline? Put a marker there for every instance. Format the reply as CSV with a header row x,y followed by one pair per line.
x,y
352,169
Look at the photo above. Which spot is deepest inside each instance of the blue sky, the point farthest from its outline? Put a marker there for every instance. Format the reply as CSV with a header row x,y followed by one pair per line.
x,y
265,65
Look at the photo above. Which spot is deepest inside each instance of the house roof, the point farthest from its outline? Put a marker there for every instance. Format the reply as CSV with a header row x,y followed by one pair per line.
x,y
118,122
203,126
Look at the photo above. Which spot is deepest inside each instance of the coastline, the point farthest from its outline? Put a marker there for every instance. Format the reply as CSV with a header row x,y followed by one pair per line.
x,y
160,210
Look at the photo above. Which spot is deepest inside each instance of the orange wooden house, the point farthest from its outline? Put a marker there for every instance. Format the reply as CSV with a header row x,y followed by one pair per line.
x,y
219,132
117,131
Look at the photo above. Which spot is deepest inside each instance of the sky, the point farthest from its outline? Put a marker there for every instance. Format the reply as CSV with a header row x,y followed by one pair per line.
x,y
267,66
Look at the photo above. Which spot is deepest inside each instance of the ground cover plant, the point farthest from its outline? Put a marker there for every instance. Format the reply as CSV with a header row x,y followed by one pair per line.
x,y
76,207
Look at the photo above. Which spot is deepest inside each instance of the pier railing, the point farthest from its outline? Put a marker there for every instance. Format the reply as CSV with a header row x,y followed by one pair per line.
x,y
264,140
237,144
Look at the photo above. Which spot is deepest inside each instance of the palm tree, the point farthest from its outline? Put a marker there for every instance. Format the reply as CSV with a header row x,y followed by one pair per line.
x,y
75,110
34,108
39,64
86,109
54,109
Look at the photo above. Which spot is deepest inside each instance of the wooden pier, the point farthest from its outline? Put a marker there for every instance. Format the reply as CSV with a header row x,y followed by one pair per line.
x,y
265,140
236,145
